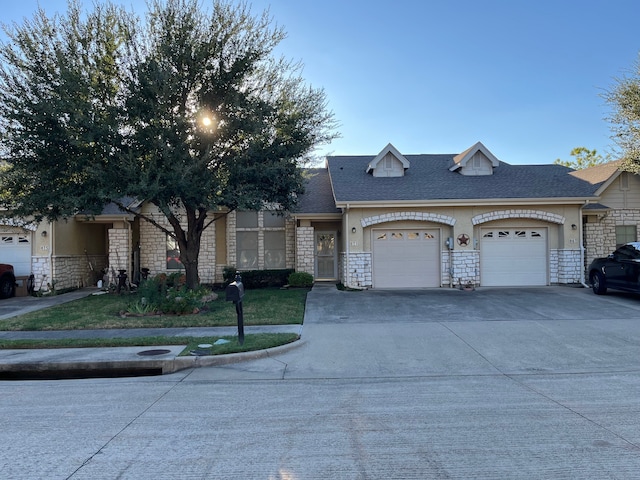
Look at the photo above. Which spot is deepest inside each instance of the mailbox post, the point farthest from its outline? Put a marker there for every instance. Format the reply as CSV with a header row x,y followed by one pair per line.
x,y
234,293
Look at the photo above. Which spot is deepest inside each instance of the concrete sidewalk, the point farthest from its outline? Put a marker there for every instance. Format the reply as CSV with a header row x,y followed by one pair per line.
x,y
119,361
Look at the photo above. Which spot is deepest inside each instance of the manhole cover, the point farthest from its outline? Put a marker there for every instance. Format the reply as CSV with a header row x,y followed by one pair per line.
x,y
157,351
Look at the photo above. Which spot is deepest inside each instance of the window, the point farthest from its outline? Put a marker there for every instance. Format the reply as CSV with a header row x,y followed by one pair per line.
x,y
624,181
625,234
260,240
247,219
274,251
173,254
247,250
272,220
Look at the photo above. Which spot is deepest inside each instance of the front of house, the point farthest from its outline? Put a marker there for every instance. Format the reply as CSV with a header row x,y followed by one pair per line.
x,y
420,221
380,221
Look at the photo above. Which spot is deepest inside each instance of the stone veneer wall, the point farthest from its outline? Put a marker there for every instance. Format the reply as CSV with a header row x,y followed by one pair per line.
x,y
357,273
119,250
69,271
41,269
565,267
305,250
600,237
153,250
466,267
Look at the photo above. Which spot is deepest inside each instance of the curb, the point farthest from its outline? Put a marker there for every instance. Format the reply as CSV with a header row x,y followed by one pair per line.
x,y
131,368
182,363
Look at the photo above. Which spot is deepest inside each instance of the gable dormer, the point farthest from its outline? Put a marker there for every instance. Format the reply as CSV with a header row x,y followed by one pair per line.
x,y
389,163
477,160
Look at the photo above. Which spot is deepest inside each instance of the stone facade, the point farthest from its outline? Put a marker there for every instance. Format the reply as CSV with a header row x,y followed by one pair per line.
x,y
415,216
565,267
119,249
465,267
518,213
600,232
356,270
69,271
153,250
305,250
41,269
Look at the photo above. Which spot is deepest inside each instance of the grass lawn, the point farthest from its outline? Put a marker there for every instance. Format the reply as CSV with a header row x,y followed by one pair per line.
x,y
251,342
268,306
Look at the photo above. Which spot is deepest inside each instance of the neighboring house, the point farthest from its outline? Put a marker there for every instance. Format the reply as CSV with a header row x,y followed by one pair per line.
x,y
380,221
614,219
63,254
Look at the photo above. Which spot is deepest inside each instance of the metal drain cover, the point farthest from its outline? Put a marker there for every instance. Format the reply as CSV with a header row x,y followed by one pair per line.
x,y
157,351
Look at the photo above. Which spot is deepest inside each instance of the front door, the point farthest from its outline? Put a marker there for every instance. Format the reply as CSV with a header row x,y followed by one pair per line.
x,y
326,259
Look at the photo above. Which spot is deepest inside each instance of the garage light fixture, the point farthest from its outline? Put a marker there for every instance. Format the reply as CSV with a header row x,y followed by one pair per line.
x,y
44,233
574,226
353,229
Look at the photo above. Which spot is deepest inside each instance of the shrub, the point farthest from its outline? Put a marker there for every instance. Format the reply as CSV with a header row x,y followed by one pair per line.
x,y
181,300
301,279
167,294
258,278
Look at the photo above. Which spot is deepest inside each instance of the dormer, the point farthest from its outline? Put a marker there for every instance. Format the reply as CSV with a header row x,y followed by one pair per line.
x,y
477,160
389,163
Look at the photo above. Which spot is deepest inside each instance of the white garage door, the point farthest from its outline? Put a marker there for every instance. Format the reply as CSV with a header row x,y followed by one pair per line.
x,y
513,257
406,258
15,249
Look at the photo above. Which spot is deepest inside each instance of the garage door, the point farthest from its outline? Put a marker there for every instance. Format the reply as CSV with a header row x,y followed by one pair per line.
x,y
15,249
406,258
513,257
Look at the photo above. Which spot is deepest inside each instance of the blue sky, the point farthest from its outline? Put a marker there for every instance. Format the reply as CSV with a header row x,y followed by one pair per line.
x,y
523,77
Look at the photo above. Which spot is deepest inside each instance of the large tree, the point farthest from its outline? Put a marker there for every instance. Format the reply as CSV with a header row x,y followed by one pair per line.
x,y
624,100
583,158
187,108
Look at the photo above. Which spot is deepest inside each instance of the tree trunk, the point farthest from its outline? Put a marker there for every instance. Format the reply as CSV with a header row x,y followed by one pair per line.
x,y
189,243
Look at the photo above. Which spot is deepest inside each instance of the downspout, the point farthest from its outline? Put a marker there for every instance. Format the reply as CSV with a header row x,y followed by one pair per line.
x,y
582,268
52,246
347,241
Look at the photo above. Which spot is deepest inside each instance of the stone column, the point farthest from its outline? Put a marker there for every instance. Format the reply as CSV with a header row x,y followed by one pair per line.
x,y
305,250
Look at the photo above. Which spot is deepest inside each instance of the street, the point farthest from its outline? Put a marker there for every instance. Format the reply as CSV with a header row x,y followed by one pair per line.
x,y
488,398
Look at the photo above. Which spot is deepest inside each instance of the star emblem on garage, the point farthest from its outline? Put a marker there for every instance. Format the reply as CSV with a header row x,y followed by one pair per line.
x,y
463,240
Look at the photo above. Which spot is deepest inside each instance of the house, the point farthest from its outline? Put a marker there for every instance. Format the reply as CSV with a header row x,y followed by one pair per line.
x,y
379,221
416,221
614,219
63,254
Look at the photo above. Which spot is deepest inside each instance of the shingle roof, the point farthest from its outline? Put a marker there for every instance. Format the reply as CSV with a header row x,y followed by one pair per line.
x,y
113,209
318,195
429,178
599,174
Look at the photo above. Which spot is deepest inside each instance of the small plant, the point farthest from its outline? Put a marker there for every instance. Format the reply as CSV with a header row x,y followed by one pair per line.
x,y
181,300
141,307
301,279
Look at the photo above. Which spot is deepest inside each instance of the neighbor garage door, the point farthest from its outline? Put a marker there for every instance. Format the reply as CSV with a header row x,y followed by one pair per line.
x,y
406,258
15,249
513,257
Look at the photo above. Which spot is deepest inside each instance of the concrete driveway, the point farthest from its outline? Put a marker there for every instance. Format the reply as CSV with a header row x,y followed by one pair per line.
x,y
328,305
454,332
